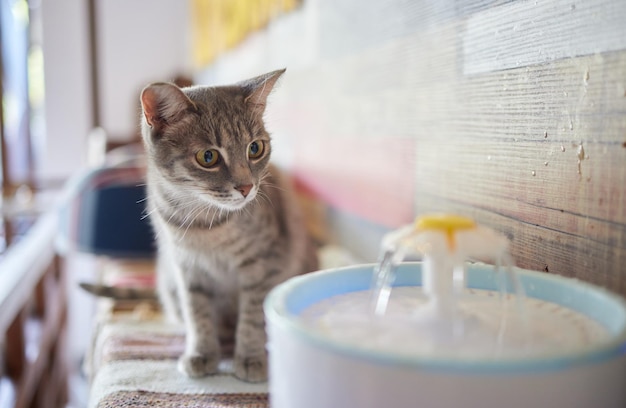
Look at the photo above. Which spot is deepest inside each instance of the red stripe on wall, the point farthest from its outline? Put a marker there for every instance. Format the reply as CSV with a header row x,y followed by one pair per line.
x,y
371,178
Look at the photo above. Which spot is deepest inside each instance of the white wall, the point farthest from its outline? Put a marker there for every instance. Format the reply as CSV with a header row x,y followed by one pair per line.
x,y
67,76
141,41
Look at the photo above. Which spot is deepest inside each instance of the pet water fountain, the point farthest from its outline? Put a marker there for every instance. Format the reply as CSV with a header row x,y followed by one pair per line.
x,y
444,332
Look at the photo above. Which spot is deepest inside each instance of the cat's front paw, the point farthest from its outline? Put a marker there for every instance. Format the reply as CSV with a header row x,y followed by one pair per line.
x,y
251,368
198,365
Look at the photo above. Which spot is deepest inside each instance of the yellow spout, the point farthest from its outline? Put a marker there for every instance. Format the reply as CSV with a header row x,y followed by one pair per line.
x,y
446,223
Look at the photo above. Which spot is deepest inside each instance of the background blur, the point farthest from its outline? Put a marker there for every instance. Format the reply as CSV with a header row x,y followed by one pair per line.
x,y
511,112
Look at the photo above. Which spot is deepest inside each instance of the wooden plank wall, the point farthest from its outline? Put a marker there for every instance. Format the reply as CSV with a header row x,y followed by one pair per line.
x,y
512,112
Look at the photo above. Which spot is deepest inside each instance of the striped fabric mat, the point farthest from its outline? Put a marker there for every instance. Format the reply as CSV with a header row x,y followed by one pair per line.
x,y
134,365
165,400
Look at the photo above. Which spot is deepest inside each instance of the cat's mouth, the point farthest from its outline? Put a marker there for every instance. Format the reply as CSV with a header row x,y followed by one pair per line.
x,y
239,202
233,202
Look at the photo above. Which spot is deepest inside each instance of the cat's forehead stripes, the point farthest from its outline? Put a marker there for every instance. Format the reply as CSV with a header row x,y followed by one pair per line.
x,y
223,115
230,129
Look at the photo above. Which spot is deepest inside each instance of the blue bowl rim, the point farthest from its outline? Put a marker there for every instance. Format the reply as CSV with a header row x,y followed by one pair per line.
x,y
278,315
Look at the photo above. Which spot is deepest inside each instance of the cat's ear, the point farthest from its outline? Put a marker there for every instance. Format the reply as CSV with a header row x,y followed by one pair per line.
x,y
258,88
164,104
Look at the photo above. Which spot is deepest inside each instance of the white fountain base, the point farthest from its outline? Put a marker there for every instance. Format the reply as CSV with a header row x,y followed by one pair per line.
x,y
310,370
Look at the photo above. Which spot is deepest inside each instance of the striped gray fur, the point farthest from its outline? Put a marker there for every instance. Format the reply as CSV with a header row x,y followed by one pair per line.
x,y
221,248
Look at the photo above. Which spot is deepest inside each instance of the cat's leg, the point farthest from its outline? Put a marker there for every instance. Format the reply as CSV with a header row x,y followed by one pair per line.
x,y
167,289
202,349
250,360
227,323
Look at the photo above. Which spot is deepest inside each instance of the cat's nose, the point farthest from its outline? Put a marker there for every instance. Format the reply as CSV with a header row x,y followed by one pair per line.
x,y
244,190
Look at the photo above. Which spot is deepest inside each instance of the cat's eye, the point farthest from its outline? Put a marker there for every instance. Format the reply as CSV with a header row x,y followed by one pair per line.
x,y
207,158
255,149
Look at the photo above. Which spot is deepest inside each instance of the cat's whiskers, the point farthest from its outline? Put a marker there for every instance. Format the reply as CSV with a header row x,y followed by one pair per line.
x,y
213,218
175,211
220,214
192,216
192,212
172,216
217,213
266,198
264,174
186,217
206,214
272,185
263,181
147,214
244,209
262,194
227,216
181,208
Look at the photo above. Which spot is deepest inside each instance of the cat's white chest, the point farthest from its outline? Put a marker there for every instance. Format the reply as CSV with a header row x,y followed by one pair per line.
x,y
221,270
207,252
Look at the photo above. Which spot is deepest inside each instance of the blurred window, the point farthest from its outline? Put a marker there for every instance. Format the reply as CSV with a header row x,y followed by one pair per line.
x,y
22,136
22,90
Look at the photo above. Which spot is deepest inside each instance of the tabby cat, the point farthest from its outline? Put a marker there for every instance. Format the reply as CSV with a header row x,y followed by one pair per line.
x,y
226,223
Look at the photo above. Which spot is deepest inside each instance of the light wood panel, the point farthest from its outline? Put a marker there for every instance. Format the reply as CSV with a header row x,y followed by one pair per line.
x,y
524,33
539,152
